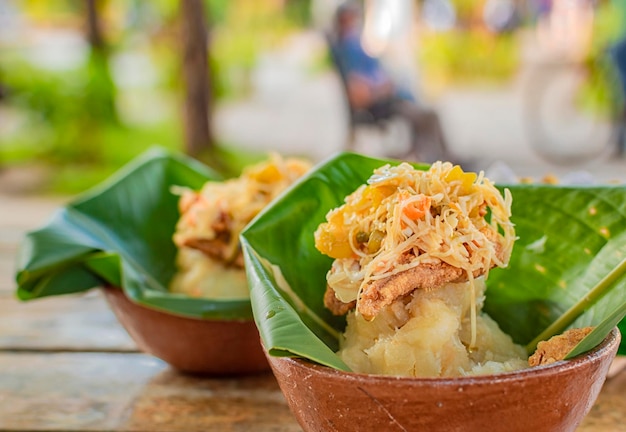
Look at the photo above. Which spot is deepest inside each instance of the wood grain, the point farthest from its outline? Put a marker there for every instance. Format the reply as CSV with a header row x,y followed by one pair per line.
x,y
67,323
131,392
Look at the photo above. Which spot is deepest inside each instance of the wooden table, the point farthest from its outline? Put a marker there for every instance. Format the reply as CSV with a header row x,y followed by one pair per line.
x,y
67,365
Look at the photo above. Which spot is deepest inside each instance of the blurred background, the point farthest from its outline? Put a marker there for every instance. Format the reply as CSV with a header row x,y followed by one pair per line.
x,y
523,88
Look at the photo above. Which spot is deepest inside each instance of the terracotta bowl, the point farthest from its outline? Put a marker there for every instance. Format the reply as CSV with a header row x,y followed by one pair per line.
x,y
188,344
551,398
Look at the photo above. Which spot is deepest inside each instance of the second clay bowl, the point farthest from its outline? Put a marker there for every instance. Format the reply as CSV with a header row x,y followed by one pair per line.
x,y
214,347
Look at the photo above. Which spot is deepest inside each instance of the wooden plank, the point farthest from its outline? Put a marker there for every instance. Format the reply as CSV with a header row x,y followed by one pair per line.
x,y
131,392
10,238
618,366
609,412
66,323
21,213
7,271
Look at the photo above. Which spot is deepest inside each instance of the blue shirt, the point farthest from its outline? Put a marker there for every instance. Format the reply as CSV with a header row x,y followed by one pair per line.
x,y
354,60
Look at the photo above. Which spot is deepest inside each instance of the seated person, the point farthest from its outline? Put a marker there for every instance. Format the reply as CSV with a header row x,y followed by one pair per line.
x,y
370,88
618,53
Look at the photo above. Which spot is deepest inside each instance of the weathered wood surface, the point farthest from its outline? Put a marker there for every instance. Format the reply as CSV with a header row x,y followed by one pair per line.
x,y
609,412
81,322
8,257
131,392
7,268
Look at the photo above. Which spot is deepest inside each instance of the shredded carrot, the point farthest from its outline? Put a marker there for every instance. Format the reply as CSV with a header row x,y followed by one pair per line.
x,y
417,209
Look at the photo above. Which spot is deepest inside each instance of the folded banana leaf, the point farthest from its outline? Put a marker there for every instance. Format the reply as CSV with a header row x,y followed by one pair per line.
x,y
568,267
120,234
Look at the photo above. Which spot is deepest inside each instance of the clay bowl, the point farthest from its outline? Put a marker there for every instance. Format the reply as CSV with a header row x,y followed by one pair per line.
x,y
551,398
191,345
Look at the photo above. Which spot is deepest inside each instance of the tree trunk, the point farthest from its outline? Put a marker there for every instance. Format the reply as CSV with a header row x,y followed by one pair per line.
x,y
94,30
198,134
100,91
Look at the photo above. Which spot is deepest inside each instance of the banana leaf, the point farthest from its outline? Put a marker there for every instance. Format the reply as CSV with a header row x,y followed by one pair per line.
x,y
120,234
567,263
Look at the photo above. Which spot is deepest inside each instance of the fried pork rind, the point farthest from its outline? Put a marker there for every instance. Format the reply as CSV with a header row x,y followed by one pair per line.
x,y
381,293
408,229
212,218
336,306
557,347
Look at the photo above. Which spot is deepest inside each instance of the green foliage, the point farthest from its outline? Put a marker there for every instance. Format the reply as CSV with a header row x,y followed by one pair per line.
x,y
71,124
75,120
123,143
600,92
67,110
216,11
467,9
298,12
42,11
244,30
569,240
468,56
608,25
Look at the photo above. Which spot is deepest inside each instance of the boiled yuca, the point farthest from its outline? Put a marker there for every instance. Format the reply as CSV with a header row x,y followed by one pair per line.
x,y
411,250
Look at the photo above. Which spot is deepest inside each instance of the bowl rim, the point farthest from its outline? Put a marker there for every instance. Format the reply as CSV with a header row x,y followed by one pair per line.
x,y
609,343
114,289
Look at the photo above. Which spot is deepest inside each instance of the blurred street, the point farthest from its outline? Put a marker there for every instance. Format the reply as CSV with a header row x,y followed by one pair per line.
x,y
296,114
484,127
308,117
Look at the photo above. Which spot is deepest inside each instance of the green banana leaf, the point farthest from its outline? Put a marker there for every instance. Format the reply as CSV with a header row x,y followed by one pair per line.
x,y
568,262
120,234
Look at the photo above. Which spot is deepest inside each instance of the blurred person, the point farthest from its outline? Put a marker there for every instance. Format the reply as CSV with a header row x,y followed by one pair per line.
x,y
618,55
539,9
371,88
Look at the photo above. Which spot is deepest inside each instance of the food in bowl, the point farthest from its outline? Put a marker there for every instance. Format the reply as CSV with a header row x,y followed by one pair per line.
x,y
411,252
209,261
557,262
119,236
550,398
